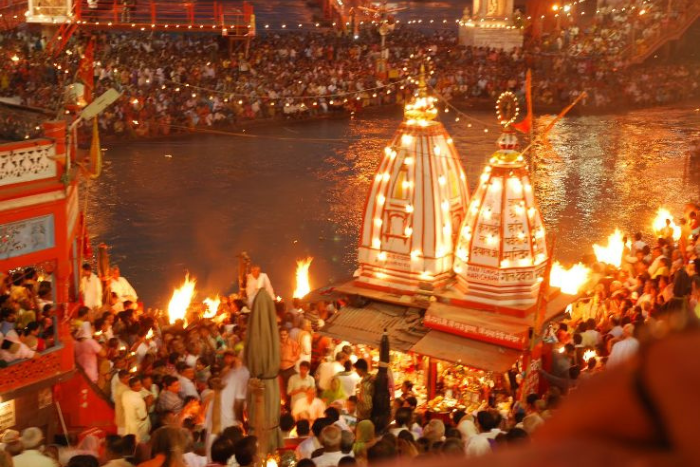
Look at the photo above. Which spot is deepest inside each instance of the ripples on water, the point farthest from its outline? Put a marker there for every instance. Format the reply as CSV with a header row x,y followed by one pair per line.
x,y
281,200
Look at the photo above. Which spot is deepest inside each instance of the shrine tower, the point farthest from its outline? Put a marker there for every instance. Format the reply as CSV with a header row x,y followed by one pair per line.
x,y
416,203
501,253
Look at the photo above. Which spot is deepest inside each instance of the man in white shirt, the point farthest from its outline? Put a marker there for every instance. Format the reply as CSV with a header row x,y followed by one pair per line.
x,y
349,379
330,440
186,378
90,288
32,456
300,383
136,421
120,286
255,281
480,444
309,408
327,369
119,390
625,348
638,244
233,395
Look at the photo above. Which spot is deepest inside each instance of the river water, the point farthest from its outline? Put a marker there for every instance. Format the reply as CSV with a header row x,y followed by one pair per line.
x,y
287,191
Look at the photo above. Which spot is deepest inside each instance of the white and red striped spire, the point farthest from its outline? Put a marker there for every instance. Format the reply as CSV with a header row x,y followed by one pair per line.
x,y
415,206
501,252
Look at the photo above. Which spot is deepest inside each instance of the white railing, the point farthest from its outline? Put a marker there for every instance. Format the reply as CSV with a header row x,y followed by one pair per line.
x,y
27,161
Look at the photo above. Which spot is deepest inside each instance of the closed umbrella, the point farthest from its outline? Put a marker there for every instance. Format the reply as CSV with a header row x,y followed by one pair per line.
x,y
381,400
262,358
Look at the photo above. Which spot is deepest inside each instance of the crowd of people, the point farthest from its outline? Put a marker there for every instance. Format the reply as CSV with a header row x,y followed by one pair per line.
x,y
179,390
175,82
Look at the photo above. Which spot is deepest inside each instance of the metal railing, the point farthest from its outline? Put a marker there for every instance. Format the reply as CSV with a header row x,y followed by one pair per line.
x,y
643,48
166,15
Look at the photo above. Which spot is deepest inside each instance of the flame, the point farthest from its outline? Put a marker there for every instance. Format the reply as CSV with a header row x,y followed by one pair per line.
x,y
588,354
303,286
149,335
212,307
182,297
611,254
660,223
569,280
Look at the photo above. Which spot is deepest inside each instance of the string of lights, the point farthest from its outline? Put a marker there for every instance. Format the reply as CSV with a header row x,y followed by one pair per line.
x,y
179,86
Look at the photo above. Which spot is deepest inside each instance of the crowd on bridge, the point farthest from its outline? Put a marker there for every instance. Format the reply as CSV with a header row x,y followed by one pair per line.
x,y
177,82
179,388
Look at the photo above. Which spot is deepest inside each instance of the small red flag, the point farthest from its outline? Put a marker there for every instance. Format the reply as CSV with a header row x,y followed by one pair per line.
x,y
525,126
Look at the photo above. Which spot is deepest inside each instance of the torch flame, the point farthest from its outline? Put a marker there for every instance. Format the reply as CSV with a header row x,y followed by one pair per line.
x,y
569,280
182,297
149,335
303,286
660,223
588,354
611,254
212,307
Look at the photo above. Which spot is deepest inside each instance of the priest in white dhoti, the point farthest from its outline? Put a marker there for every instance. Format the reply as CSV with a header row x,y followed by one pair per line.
x,y
90,288
136,421
255,281
121,287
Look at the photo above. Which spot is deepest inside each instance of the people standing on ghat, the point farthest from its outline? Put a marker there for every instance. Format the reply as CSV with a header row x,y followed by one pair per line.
x,y
90,288
196,382
255,281
121,287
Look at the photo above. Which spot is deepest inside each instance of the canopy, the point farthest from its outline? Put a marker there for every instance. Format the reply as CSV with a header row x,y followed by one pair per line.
x,y
262,358
470,352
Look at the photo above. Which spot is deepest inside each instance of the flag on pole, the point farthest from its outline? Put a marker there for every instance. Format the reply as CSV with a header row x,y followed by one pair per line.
x,y
525,126
86,70
95,151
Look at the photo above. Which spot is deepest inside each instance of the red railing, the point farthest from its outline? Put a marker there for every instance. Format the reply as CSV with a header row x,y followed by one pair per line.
x,y
12,13
167,16
644,48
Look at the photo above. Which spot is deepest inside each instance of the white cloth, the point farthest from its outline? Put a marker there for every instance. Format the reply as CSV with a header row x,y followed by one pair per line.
x,y
136,421
479,445
297,382
194,460
235,389
307,447
187,388
22,353
325,373
349,382
33,458
314,409
91,288
123,289
253,285
119,406
328,459
622,351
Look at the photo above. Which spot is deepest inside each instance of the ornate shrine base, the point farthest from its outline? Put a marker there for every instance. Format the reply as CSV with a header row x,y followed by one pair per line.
x,y
498,38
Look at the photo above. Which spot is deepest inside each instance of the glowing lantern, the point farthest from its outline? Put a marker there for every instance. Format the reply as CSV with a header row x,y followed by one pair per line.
x,y
660,223
569,280
181,299
414,210
212,307
611,254
302,275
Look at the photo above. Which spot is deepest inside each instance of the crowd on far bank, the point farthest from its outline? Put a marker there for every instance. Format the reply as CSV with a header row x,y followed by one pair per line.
x,y
177,82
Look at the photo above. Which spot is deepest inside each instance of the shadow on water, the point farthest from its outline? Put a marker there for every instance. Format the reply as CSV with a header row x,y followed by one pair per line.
x,y
281,200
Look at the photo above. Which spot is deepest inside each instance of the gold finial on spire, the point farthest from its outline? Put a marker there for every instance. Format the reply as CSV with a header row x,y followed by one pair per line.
x,y
420,111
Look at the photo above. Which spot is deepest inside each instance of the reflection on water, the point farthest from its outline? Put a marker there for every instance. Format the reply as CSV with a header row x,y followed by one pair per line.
x,y
281,199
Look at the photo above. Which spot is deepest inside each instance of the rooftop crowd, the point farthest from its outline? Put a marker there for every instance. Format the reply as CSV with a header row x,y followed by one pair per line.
x,y
172,82
179,390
